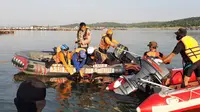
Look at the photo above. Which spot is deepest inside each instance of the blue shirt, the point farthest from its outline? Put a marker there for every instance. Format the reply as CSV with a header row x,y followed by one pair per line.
x,y
78,62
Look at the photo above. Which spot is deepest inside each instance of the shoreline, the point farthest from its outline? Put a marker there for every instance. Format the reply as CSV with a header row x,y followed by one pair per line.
x,y
98,28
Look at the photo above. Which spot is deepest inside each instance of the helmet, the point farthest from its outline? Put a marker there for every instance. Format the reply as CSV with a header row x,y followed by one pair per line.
x,y
82,54
109,31
90,50
64,47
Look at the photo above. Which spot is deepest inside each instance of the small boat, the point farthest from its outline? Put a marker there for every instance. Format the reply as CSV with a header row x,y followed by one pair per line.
x,y
160,98
36,63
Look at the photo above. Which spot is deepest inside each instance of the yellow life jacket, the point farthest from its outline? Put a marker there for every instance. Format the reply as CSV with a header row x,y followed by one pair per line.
x,y
192,49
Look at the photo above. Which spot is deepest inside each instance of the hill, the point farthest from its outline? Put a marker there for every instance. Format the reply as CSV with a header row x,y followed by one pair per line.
x,y
186,22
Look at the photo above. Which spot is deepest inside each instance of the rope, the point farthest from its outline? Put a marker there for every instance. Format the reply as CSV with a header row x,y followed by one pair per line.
x,y
190,97
129,52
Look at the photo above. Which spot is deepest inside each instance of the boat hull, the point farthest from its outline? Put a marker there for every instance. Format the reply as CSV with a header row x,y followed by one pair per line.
x,y
35,63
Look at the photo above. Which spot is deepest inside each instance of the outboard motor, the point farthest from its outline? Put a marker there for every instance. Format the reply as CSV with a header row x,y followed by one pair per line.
x,y
151,70
121,53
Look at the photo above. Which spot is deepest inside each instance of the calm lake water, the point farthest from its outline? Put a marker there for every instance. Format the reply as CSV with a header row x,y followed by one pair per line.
x,y
83,98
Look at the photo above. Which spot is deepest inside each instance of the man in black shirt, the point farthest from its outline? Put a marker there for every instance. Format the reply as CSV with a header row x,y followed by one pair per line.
x,y
189,49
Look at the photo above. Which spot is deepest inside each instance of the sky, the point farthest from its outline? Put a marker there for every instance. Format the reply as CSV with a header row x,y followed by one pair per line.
x,y
62,12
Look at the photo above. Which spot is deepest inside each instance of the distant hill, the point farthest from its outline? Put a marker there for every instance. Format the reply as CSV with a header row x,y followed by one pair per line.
x,y
186,22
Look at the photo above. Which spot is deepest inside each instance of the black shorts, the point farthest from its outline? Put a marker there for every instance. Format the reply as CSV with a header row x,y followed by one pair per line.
x,y
194,67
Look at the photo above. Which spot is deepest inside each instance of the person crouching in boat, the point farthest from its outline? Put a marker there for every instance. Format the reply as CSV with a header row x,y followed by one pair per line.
x,y
153,51
189,49
79,60
63,56
107,41
83,36
95,56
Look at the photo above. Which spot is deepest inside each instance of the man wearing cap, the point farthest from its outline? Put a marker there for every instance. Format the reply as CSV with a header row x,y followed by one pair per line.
x,y
31,96
189,49
79,59
153,51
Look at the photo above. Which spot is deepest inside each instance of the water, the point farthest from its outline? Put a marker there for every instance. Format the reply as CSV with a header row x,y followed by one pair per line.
x,y
83,97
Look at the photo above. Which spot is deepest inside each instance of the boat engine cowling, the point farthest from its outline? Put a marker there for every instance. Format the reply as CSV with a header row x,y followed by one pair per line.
x,y
123,55
151,70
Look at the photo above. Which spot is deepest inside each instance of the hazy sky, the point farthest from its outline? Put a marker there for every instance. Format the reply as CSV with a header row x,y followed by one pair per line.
x,y
58,12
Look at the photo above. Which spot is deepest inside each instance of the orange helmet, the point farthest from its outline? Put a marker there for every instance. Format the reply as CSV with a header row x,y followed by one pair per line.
x,y
109,31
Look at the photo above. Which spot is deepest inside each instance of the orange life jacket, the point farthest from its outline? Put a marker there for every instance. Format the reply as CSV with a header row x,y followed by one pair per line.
x,y
154,54
57,57
103,45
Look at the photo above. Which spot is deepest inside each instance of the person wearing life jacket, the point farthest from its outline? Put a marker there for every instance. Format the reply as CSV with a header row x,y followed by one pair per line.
x,y
64,57
107,41
153,51
83,36
95,56
189,49
79,59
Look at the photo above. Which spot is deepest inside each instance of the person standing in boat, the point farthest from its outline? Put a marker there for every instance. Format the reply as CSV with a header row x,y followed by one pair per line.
x,y
189,49
79,59
107,41
83,36
95,56
64,57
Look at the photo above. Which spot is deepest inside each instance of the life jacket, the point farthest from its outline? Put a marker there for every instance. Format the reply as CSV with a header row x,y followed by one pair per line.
x,y
103,45
84,36
154,54
57,57
95,57
192,49
77,51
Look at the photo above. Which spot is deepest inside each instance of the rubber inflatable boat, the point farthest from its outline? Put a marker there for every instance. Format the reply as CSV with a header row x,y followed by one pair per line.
x,y
161,98
36,63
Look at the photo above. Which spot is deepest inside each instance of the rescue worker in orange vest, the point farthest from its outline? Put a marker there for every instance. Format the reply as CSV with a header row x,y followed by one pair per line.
x,y
64,57
189,49
95,56
153,51
107,41
83,36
